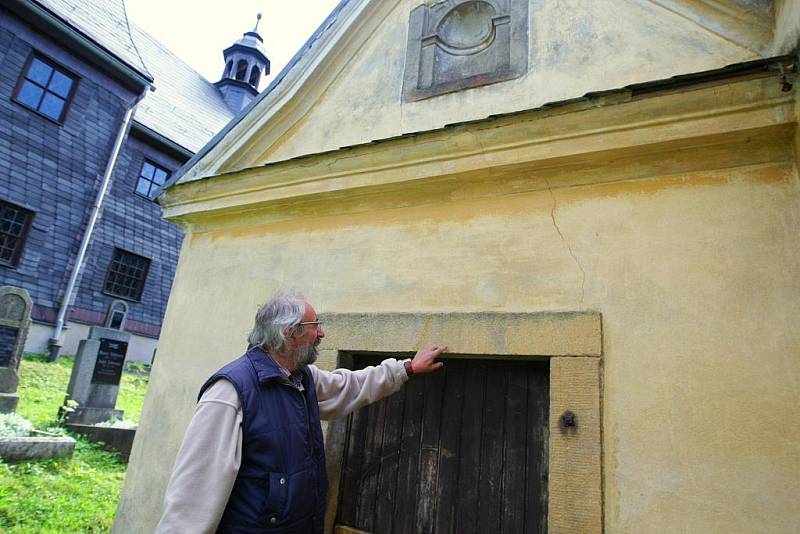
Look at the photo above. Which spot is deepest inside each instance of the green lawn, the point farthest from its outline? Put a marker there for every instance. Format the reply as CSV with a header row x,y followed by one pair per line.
x,y
69,495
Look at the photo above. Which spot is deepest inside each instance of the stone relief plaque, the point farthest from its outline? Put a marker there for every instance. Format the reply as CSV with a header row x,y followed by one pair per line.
x,y
458,44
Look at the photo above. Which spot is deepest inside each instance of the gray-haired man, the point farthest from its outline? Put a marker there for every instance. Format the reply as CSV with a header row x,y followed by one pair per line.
x,y
252,459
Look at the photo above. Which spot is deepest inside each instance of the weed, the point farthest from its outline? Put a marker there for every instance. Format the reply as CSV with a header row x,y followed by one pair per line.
x,y
79,494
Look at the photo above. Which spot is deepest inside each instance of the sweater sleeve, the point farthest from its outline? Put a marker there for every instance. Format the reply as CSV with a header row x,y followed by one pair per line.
x,y
206,465
342,391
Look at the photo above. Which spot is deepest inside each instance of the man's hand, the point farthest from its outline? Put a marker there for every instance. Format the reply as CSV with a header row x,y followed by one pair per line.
x,y
424,360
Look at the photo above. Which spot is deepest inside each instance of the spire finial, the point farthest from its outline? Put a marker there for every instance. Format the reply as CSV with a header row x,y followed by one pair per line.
x,y
258,19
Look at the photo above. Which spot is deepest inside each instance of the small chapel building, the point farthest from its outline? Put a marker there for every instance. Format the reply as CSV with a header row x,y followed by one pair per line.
x,y
596,205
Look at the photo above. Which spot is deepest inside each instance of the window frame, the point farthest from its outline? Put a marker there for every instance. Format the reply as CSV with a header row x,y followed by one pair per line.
x,y
23,77
140,177
138,298
23,237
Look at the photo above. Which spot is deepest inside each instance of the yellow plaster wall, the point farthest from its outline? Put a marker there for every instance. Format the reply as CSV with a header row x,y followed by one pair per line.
x,y
575,47
697,277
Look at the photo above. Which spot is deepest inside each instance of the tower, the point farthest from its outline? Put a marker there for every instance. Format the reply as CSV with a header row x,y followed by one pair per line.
x,y
246,62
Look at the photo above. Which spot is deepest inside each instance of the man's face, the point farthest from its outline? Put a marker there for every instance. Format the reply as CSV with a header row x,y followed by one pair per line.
x,y
302,345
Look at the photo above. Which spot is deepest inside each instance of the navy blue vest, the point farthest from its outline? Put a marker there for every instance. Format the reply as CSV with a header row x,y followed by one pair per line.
x,y
281,484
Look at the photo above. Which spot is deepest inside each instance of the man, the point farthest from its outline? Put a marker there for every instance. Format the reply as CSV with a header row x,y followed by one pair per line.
x,y
252,459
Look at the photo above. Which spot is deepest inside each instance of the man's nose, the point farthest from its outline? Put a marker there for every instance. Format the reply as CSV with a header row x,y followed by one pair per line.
x,y
320,332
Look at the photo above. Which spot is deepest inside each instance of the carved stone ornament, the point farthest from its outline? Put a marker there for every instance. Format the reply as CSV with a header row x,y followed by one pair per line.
x,y
12,307
458,44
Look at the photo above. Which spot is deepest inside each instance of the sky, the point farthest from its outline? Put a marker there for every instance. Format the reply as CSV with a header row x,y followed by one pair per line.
x,y
198,32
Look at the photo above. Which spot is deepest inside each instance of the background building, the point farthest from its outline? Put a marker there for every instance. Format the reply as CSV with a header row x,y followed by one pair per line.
x,y
594,204
69,72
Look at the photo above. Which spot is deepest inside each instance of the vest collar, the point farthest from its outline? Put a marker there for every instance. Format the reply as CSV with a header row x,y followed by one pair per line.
x,y
266,367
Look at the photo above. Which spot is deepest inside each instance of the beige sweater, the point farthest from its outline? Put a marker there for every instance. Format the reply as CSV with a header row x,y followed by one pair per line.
x,y
209,458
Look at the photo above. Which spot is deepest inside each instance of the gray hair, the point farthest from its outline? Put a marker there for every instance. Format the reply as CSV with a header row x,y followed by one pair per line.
x,y
282,312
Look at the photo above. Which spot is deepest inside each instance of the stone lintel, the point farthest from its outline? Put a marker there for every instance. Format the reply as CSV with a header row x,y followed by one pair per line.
x,y
489,333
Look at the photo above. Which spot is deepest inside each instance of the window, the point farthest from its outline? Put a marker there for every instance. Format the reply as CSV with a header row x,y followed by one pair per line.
x,y
117,313
14,225
255,76
241,70
126,275
151,177
46,88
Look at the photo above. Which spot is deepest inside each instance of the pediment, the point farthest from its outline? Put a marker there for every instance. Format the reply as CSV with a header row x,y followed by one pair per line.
x,y
379,69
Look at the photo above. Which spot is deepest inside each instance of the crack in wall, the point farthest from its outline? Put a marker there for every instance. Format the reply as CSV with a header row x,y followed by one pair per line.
x,y
561,235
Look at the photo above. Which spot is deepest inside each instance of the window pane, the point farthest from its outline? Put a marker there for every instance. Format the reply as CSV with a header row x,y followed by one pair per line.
x,y
147,170
52,106
39,72
30,94
160,177
60,84
18,216
116,319
143,187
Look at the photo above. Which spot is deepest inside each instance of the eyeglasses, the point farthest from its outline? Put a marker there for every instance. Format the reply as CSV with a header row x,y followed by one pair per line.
x,y
317,324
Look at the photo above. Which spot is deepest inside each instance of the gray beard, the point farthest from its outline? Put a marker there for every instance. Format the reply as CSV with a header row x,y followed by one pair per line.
x,y
303,356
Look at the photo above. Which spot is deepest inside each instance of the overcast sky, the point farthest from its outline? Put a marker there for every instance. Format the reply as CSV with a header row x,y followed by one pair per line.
x,y
198,32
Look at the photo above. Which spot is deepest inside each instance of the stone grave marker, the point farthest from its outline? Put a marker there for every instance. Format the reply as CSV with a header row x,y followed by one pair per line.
x,y
94,383
15,319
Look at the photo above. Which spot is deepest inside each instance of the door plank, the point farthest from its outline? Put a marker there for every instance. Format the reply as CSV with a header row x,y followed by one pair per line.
x,y
349,489
469,465
390,459
433,386
515,451
538,435
449,447
491,471
408,469
368,482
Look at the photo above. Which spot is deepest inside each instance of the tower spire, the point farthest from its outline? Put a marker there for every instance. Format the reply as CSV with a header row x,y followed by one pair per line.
x,y
246,63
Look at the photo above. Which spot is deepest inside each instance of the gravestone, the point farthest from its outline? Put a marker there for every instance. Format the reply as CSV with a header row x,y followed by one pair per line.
x,y
15,319
94,383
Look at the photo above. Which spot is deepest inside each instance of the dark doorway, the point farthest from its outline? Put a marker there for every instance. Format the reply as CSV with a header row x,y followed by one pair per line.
x,y
458,451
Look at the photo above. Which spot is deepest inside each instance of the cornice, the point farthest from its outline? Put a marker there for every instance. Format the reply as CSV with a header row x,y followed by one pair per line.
x,y
532,143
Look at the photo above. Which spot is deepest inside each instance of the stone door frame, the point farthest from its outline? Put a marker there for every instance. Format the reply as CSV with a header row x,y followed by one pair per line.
x,y
572,341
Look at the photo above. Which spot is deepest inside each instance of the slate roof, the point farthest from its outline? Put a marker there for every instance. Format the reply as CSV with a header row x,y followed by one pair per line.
x,y
103,21
185,107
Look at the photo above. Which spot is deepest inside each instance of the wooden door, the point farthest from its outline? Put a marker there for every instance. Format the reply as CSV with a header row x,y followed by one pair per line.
x,y
457,451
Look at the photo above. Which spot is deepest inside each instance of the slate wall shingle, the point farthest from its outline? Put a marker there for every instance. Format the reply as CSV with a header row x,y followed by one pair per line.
x,y
55,170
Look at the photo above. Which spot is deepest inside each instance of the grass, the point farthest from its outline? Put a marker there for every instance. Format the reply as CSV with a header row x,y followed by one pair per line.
x,y
63,495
